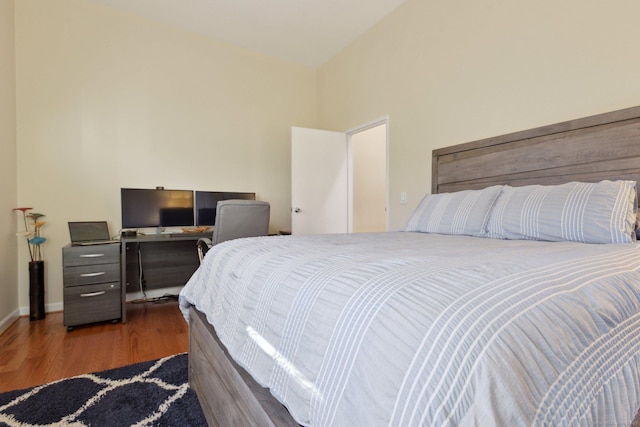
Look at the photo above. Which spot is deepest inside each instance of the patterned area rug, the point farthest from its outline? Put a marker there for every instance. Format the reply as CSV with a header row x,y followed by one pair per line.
x,y
152,393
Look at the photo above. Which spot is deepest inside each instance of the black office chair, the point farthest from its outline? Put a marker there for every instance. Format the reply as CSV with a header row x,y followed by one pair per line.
x,y
236,219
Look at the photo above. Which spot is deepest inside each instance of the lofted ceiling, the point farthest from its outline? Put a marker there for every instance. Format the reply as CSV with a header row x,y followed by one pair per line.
x,y
307,32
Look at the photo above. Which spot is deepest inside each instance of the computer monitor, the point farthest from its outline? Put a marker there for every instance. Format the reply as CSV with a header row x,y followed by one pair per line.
x,y
156,208
206,202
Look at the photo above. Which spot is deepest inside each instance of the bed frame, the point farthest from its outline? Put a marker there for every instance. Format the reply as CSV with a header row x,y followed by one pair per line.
x,y
606,146
591,149
229,396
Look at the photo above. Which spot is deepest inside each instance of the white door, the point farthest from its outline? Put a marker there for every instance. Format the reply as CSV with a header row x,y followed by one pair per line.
x,y
319,182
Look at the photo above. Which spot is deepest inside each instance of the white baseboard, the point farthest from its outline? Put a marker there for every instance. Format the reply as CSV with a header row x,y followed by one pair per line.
x,y
56,306
7,321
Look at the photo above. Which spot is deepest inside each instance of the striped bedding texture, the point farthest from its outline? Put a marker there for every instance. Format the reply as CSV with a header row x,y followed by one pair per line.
x,y
417,329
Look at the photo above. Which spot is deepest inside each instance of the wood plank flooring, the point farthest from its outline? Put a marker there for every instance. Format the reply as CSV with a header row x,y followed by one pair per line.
x,y
34,353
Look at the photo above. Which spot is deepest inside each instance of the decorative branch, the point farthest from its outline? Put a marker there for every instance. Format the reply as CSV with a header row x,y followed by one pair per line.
x,y
34,239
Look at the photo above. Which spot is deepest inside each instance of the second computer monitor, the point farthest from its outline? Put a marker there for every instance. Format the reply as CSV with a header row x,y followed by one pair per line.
x,y
206,202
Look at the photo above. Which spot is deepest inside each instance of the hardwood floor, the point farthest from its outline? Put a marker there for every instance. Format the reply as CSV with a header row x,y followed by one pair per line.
x,y
34,353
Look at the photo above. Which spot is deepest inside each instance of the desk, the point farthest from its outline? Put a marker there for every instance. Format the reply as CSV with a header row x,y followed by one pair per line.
x,y
157,261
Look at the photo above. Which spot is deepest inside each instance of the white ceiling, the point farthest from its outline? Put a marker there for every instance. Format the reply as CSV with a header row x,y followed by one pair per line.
x,y
308,32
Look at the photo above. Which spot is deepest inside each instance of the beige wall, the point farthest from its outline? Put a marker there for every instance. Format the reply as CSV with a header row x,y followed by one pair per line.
x,y
8,187
107,100
452,72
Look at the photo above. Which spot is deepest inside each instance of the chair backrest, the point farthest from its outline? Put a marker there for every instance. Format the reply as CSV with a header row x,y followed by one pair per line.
x,y
240,218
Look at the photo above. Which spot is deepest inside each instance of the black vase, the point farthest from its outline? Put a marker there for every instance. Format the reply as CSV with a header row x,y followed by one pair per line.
x,y
36,290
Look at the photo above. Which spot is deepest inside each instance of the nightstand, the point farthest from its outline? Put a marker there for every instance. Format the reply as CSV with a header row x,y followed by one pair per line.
x,y
92,290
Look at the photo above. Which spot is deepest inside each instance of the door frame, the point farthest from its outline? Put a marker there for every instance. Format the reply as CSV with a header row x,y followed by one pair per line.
x,y
350,133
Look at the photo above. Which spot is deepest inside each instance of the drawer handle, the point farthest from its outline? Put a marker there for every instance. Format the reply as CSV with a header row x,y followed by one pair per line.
x,y
93,294
91,255
100,273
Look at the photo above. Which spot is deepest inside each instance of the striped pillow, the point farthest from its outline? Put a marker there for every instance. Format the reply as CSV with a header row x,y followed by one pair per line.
x,y
603,212
463,212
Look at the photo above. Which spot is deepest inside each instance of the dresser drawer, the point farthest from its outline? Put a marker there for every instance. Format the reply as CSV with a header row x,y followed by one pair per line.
x,y
91,303
90,274
92,254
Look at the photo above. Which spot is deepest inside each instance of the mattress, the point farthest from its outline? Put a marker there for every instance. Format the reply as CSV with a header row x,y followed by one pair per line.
x,y
417,329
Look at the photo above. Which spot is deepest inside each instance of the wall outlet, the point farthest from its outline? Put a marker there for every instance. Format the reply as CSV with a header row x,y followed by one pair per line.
x,y
403,197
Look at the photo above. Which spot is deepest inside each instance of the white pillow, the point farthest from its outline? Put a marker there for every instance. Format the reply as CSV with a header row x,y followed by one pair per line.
x,y
463,212
603,212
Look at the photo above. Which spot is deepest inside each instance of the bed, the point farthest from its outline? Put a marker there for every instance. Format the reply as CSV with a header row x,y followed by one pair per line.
x,y
471,315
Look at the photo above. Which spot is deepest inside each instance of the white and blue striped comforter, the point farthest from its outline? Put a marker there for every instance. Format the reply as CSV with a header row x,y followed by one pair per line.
x,y
413,329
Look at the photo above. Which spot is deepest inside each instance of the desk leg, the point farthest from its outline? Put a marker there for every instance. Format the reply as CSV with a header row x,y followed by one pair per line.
x,y
123,280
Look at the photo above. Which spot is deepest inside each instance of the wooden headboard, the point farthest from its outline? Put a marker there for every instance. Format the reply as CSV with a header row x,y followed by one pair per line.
x,y
591,149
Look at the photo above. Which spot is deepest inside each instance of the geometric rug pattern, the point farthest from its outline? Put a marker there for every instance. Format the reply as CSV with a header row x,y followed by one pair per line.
x,y
154,393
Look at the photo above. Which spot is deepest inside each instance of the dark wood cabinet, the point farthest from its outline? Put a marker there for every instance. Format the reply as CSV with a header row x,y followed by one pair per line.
x,y
98,277
92,288
157,262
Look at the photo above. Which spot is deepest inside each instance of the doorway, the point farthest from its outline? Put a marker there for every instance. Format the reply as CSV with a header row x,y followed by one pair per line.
x,y
339,180
368,179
